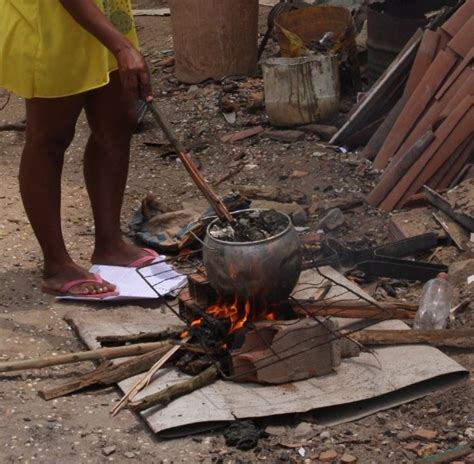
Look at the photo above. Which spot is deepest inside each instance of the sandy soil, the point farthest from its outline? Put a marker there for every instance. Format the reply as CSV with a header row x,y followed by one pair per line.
x,y
78,428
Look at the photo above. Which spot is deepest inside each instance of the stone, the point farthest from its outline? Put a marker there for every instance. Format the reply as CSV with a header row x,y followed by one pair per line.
x,y
412,446
328,456
277,430
425,434
288,136
348,459
129,454
333,220
299,218
299,174
403,436
469,433
108,450
325,435
303,430
451,436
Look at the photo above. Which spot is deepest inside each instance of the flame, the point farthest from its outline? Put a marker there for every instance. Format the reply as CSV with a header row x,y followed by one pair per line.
x,y
236,317
237,314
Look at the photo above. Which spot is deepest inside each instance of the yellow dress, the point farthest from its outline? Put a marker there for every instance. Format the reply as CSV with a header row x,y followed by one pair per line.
x,y
44,52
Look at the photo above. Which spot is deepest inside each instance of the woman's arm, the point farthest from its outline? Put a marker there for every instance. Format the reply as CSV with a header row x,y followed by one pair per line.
x,y
132,67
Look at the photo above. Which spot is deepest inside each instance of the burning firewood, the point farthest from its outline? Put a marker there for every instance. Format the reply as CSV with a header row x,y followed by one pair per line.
x,y
145,381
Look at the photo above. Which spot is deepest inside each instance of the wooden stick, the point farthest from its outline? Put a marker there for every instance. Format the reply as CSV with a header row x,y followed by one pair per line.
x,y
92,355
169,394
357,309
145,380
460,338
142,337
218,205
106,374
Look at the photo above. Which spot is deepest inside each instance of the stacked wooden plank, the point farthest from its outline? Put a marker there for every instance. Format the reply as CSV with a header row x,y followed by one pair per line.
x,y
431,140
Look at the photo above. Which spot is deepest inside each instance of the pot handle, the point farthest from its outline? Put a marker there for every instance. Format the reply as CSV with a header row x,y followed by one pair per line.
x,y
215,250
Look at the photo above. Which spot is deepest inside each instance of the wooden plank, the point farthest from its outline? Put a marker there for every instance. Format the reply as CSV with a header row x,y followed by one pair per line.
x,y
398,169
450,143
424,58
442,133
416,105
445,102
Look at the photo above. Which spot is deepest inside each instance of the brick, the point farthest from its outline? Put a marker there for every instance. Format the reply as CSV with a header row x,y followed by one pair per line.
x,y
328,456
463,41
416,105
412,446
235,137
425,434
258,360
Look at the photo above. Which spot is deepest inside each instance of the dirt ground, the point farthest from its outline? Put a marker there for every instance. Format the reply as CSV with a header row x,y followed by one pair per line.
x,y
78,428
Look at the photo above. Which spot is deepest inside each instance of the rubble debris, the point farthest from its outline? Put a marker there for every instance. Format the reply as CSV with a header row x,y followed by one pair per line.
x,y
425,434
288,136
236,136
328,456
108,450
323,131
251,226
348,459
271,193
332,220
458,214
243,435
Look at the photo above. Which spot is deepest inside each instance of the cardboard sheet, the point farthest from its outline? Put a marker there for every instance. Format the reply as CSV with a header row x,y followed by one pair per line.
x,y
383,376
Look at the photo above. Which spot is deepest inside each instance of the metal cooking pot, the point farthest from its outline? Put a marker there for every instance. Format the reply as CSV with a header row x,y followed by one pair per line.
x,y
264,271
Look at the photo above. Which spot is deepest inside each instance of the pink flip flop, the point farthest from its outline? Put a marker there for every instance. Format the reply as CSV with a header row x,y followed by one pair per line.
x,y
65,289
152,255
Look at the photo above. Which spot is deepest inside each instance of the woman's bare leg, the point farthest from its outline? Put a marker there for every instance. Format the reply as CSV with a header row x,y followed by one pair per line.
x,y
111,113
50,130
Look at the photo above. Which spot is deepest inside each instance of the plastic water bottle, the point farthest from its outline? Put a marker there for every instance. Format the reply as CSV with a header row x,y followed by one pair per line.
x,y
435,299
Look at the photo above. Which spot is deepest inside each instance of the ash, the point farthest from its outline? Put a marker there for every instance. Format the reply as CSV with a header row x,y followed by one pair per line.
x,y
251,226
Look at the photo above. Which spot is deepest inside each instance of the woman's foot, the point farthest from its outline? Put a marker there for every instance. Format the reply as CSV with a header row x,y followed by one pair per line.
x,y
71,279
123,254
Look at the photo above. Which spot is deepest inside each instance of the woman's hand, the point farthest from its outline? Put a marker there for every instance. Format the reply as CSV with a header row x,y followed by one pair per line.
x,y
133,73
